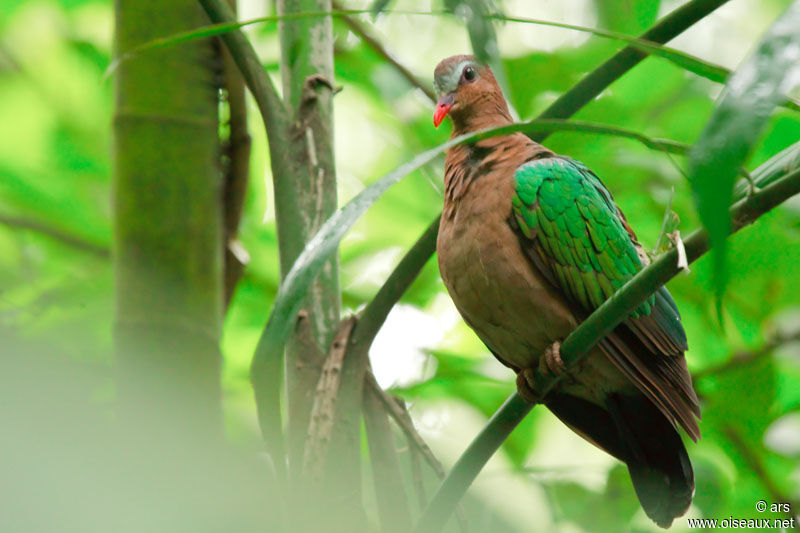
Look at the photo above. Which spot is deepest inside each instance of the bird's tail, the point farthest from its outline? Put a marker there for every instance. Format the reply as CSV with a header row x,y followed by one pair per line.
x,y
656,457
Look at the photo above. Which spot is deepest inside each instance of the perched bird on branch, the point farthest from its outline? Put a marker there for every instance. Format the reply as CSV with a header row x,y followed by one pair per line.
x,y
530,243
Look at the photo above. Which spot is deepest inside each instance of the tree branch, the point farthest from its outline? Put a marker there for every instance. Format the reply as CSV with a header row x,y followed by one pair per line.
x,y
399,414
322,413
405,424
399,280
272,110
266,378
744,358
595,82
756,465
577,345
363,33
235,163
55,233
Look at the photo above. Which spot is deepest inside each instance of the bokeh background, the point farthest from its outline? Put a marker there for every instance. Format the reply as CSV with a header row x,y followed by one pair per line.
x,y
56,286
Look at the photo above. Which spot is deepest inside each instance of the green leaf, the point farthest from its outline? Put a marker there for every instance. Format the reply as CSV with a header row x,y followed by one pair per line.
x,y
219,29
751,94
724,406
479,16
379,6
593,511
632,16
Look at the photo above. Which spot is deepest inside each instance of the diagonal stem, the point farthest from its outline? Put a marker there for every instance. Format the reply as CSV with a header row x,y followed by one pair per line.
x,y
363,33
55,233
267,378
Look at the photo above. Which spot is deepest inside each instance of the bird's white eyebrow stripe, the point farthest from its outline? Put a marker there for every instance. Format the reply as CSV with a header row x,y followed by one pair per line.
x,y
451,80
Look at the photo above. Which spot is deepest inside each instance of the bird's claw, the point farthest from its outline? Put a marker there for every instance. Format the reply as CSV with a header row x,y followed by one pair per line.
x,y
550,364
526,385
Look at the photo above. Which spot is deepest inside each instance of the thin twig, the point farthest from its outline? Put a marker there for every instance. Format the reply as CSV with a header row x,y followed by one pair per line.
x,y
363,33
744,358
55,233
390,492
397,410
405,424
754,462
417,479
577,345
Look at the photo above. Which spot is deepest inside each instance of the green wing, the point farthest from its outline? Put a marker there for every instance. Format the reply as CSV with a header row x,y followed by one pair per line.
x,y
577,231
576,237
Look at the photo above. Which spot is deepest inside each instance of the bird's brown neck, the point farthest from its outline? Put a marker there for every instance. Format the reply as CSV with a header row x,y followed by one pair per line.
x,y
495,158
491,111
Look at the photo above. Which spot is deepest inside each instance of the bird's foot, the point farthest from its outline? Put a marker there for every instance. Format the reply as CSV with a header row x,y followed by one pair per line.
x,y
550,364
526,385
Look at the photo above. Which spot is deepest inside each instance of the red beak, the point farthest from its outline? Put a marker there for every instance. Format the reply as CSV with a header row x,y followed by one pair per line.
x,y
442,108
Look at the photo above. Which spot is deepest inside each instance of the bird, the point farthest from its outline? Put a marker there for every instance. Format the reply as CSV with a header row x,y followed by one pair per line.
x,y
530,243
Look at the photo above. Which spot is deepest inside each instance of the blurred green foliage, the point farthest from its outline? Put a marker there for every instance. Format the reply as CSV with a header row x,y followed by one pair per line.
x,y
55,238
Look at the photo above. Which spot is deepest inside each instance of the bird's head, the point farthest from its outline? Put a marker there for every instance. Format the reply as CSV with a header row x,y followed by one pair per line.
x,y
467,90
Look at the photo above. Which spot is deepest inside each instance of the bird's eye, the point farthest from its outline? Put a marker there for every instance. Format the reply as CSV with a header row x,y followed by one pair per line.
x,y
469,73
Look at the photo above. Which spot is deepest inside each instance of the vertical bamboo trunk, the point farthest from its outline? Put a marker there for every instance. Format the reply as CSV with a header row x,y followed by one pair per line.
x,y
167,224
305,196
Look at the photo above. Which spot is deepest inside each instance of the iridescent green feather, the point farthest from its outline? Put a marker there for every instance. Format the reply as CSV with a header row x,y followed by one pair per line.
x,y
582,239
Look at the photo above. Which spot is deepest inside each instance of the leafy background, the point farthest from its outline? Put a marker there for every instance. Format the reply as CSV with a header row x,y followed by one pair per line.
x,y
56,287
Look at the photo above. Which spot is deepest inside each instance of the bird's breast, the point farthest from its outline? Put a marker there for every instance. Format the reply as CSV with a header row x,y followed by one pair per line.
x,y
513,309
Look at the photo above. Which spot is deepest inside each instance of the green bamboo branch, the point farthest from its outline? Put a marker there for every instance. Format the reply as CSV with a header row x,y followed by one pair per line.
x,y
167,227
402,276
687,61
599,79
266,378
577,345
273,112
